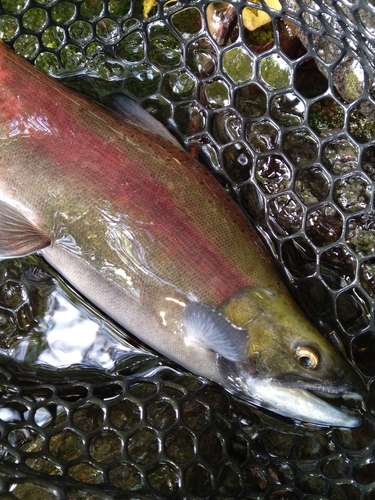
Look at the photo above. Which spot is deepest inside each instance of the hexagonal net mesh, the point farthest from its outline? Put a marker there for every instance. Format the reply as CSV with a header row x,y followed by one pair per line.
x,y
277,99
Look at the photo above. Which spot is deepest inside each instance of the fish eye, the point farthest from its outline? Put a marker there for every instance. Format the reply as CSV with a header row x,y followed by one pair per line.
x,y
307,357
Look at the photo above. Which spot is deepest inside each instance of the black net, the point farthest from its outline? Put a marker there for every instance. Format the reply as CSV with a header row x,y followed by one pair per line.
x,y
281,109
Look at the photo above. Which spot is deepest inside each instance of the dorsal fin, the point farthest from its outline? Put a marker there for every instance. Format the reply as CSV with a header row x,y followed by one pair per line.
x,y
130,111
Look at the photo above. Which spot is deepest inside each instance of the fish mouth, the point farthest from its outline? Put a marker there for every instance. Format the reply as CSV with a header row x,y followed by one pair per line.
x,y
320,388
341,404
303,399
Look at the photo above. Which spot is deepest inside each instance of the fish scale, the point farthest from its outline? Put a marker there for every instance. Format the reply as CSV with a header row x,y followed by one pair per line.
x,y
159,186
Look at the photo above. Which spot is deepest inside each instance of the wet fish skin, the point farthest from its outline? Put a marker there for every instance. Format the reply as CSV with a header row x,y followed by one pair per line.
x,y
143,231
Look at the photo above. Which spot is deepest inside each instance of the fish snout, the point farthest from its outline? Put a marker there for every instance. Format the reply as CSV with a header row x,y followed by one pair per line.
x,y
349,384
344,372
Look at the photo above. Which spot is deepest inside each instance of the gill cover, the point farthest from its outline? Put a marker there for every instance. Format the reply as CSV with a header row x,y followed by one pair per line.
x,y
269,353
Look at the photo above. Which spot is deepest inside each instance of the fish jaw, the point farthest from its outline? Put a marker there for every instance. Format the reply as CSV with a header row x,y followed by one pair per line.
x,y
299,404
310,407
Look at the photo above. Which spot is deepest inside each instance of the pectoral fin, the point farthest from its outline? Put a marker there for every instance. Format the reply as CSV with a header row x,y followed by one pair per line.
x,y
208,328
18,235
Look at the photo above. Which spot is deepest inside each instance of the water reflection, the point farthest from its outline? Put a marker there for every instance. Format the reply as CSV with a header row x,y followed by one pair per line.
x,y
72,333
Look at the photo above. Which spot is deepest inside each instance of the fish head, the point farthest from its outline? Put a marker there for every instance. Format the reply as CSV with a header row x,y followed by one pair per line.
x,y
290,367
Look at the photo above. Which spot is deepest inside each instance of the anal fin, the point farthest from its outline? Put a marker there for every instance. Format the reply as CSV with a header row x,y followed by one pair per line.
x,y
18,235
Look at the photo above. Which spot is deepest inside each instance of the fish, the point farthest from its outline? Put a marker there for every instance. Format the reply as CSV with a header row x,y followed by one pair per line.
x,y
142,230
